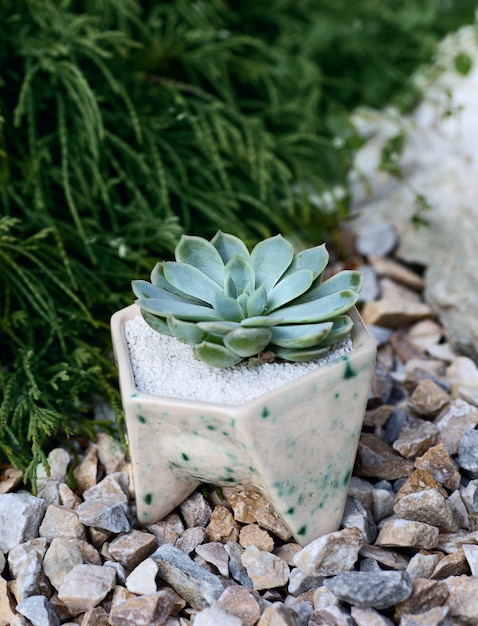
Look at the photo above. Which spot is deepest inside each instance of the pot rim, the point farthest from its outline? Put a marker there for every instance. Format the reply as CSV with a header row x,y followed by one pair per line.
x,y
363,347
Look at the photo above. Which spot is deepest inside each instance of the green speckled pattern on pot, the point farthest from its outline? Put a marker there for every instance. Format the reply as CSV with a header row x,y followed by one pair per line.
x,y
296,444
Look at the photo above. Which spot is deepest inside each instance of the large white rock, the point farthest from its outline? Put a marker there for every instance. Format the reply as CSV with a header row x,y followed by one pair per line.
x,y
440,161
20,516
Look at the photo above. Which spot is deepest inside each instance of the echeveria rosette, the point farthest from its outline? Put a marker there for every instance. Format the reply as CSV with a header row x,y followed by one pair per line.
x,y
232,305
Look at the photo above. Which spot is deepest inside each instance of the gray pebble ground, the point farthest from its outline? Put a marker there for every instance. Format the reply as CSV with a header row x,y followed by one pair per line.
x,y
406,552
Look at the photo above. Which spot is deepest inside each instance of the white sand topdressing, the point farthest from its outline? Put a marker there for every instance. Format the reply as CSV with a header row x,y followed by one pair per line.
x,y
164,366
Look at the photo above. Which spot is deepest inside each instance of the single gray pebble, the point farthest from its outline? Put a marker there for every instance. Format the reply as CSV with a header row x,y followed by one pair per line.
x,y
379,590
38,610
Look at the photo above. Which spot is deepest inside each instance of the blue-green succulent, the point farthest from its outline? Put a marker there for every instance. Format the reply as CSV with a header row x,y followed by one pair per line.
x,y
231,304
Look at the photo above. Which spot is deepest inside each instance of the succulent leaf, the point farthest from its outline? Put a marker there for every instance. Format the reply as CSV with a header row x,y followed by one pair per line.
x,y
242,302
247,341
202,255
230,288
342,326
319,310
143,289
231,305
157,277
300,335
228,308
189,332
229,245
314,259
261,321
346,279
270,258
241,273
256,302
215,355
298,355
289,288
181,310
159,324
219,328
158,280
191,281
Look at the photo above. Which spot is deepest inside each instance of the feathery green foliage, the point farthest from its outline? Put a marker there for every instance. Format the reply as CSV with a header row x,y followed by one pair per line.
x,y
125,123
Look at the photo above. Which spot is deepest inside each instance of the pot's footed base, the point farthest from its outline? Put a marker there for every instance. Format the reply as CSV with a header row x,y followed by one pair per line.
x,y
309,505
296,444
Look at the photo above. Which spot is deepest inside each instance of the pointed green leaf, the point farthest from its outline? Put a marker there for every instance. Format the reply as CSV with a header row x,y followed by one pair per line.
x,y
157,276
315,285
219,329
289,288
341,328
247,341
192,281
300,335
314,259
230,288
318,310
242,302
215,355
229,245
270,258
181,310
261,321
256,302
158,324
189,332
143,289
158,280
201,254
297,355
240,271
344,280
228,308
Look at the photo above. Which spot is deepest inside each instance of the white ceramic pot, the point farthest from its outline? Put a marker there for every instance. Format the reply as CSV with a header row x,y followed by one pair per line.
x,y
296,444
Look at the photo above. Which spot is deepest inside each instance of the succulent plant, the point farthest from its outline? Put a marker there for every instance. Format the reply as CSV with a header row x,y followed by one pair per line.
x,y
232,305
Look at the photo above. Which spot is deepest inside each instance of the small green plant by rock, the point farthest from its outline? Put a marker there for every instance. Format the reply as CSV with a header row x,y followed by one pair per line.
x,y
232,305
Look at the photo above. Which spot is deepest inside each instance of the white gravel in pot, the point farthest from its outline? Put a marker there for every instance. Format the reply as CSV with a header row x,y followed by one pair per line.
x,y
164,366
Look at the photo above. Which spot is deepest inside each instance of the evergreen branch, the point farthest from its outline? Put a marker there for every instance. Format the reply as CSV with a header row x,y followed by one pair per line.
x,y
161,174
79,92
63,138
94,54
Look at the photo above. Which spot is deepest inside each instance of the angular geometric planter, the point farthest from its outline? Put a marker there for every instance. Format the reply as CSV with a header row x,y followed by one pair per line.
x,y
296,444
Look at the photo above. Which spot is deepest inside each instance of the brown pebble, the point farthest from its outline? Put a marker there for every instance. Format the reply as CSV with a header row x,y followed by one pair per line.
x,y
375,458
428,398
441,466
222,526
